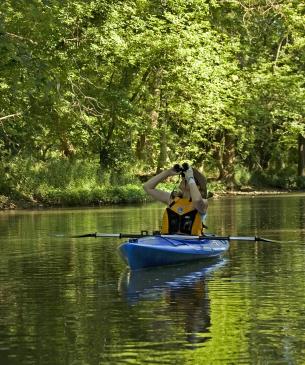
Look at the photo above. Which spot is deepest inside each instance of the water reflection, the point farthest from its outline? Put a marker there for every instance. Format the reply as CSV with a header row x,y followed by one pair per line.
x,y
258,215
184,291
60,304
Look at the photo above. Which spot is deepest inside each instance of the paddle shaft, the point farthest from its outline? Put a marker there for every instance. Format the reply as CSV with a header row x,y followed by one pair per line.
x,y
175,236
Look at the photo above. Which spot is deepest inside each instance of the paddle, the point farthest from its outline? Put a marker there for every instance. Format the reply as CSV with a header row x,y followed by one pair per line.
x,y
175,236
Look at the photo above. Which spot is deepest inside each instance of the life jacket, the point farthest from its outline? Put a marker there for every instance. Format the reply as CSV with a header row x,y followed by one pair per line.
x,y
181,217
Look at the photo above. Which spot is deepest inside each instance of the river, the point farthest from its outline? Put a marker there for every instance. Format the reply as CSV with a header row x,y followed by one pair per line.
x,y
73,301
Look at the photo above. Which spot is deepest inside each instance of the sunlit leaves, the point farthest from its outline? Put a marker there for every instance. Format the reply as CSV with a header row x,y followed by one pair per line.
x,y
106,78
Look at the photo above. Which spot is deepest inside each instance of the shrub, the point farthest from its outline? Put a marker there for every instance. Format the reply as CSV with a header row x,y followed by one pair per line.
x,y
242,175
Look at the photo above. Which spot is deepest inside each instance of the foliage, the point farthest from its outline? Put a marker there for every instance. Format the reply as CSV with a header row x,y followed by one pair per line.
x,y
63,182
103,195
136,85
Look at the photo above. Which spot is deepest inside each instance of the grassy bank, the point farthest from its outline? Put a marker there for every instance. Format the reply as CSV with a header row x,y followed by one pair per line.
x,y
58,183
61,183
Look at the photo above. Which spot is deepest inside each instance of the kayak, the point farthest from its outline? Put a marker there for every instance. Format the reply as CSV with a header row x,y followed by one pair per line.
x,y
170,250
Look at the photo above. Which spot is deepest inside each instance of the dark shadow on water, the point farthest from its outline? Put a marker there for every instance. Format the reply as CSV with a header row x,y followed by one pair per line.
x,y
183,291
148,283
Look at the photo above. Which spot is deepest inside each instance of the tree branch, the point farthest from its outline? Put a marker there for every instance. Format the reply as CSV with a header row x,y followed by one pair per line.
x,y
278,52
21,38
10,116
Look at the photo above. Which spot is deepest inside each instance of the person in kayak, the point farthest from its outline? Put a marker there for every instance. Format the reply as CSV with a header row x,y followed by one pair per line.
x,y
187,207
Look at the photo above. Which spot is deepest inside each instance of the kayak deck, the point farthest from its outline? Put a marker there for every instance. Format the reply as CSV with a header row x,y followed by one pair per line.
x,y
159,251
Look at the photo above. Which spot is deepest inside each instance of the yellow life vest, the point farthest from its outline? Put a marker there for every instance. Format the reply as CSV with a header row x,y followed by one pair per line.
x,y
181,217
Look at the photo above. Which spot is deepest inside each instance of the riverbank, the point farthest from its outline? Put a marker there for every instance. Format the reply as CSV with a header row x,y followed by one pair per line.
x,y
114,195
76,197
32,184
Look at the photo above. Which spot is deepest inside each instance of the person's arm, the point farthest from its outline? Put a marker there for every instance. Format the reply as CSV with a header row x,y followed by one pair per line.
x,y
198,202
150,186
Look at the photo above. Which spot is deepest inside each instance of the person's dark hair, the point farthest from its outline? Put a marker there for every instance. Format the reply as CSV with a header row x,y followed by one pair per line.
x,y
201,182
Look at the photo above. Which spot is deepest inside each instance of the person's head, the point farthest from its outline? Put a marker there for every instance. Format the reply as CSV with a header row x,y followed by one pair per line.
x,y
200,181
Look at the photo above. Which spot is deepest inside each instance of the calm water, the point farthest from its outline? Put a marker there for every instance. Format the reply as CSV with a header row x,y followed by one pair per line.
x,y
72,301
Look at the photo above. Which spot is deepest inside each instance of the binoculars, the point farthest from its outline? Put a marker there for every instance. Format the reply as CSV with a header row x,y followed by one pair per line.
x,y
181,169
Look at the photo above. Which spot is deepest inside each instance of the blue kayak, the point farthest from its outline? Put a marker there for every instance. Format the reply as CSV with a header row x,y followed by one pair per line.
x,y
170,250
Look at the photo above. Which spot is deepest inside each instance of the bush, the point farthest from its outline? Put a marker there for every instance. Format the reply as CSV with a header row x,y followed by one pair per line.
x,y
280,179
242,176
60,182
6,203
102,195
300,182
216,186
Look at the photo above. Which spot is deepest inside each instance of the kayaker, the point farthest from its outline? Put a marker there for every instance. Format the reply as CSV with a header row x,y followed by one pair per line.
x,y
187,207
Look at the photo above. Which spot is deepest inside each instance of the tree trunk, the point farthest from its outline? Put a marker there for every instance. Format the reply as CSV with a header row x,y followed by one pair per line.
x,y
159,123
105,152
229,160
140,147
66,147
163,146
217,154
301,157
225,158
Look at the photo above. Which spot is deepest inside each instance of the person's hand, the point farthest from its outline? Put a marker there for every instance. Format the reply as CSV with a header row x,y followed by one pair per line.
x,y
172,172
189,174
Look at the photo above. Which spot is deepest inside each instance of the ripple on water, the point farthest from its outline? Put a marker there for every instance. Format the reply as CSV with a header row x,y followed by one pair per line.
x,y
66,301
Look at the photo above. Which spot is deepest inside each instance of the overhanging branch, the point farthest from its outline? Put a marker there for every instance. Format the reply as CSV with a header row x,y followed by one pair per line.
x,y
10,116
